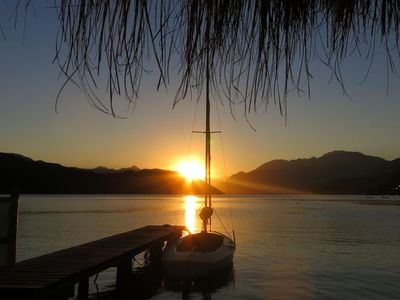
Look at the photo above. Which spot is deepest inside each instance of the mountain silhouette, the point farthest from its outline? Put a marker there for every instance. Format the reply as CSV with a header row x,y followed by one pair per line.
x,y
105,170
337,172
26,176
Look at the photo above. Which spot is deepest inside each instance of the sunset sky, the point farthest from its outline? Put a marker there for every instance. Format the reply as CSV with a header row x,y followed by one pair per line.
x,y
156,136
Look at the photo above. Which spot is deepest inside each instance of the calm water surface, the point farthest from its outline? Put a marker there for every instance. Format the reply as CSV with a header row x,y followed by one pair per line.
x,y
308,247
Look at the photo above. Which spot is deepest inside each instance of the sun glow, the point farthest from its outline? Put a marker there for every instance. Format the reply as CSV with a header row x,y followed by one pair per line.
x,y
190,169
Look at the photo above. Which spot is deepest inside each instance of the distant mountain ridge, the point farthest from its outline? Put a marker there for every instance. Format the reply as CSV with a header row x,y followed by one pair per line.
x,y
25,176
337,172
105,170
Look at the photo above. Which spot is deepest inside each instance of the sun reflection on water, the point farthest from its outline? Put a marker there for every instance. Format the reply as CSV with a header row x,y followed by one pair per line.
x,y
190,205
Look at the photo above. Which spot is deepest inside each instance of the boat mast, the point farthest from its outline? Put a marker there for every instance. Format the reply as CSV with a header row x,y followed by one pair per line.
x,y
208,141
207,196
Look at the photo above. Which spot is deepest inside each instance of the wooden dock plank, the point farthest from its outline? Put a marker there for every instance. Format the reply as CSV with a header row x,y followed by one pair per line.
x,y
62,269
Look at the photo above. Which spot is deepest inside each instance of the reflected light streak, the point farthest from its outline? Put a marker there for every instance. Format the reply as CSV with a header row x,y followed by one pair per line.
x,y
190,206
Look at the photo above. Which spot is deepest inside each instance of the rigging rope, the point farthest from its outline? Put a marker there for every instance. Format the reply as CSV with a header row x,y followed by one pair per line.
x,y
189,149
223,226
225,168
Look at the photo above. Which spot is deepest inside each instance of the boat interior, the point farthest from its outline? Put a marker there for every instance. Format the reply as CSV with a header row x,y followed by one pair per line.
x,y
200,242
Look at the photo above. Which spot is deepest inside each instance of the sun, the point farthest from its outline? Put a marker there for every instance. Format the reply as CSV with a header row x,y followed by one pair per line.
x,y
190,169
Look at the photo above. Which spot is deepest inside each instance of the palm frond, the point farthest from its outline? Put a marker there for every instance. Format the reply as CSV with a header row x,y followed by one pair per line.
x,y
257,50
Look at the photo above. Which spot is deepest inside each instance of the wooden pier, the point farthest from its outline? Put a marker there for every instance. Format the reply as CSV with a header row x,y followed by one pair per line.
x,y
54,275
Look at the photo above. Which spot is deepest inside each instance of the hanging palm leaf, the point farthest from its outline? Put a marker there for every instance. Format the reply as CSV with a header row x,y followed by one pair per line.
x,y
258,50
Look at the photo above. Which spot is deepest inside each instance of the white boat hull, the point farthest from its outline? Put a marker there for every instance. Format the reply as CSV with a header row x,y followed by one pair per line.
x,y
195,263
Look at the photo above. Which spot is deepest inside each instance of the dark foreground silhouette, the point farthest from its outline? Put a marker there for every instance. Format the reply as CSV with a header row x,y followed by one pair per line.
x,y
147,281
337,172
26,176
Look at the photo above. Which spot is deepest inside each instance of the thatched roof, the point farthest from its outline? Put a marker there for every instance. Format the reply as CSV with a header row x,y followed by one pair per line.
x,y
258,50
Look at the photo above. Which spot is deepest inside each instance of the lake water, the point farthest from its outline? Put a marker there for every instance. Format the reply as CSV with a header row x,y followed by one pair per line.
x,y
288,247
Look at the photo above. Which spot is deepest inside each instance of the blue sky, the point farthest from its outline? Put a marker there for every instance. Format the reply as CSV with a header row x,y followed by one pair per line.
x,y
154,135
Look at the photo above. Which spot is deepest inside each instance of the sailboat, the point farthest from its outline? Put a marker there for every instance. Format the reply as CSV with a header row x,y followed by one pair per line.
x,y
200,254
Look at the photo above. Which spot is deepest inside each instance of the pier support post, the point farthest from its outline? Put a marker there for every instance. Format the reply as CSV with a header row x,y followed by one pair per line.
x,y
71,291
62,294
155,256
124,273
83,290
